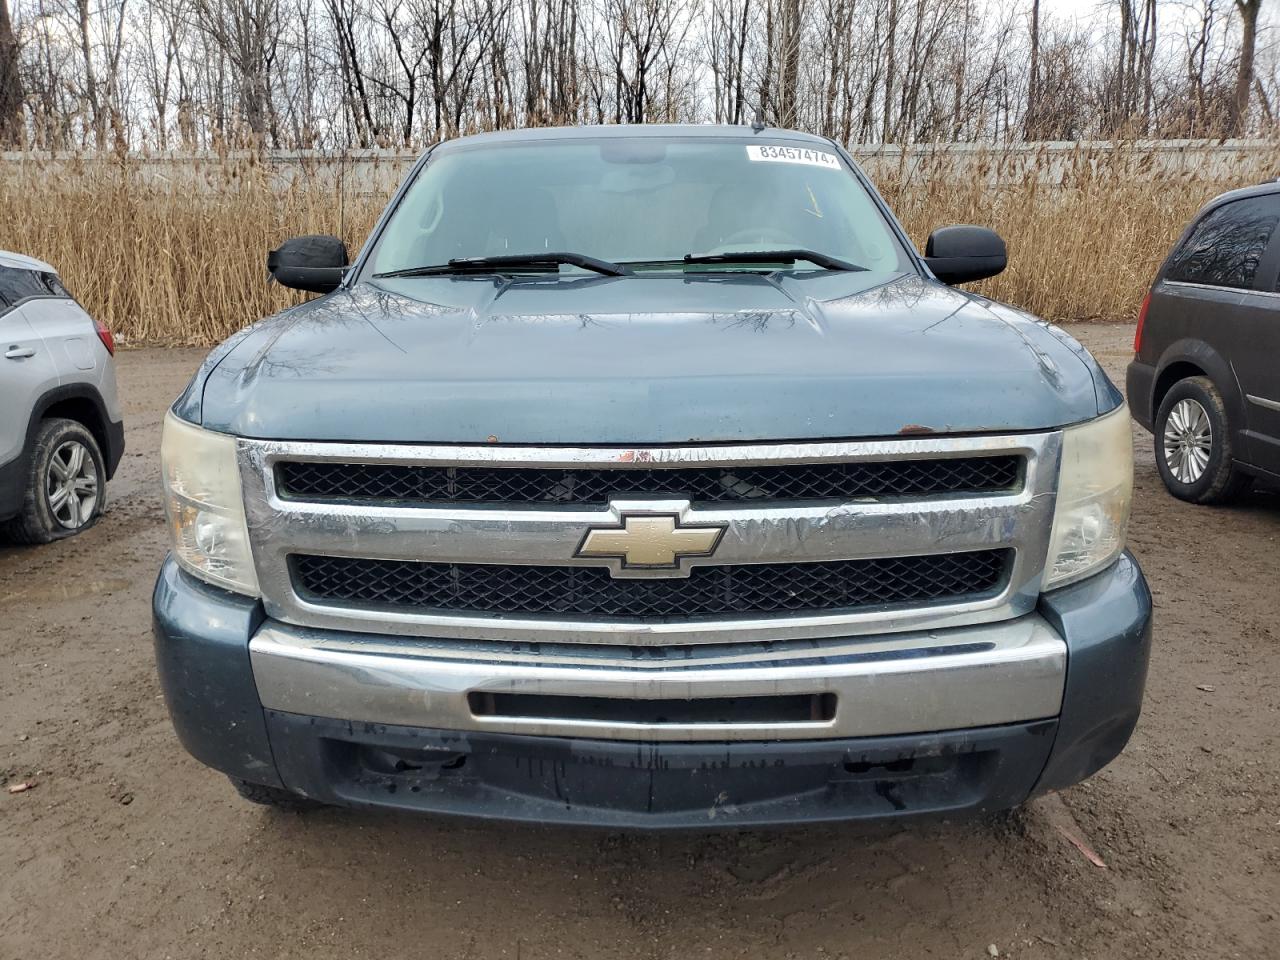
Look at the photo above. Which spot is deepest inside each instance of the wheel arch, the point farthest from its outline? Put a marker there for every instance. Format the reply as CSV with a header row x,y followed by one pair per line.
x,y
82,403
1178,370
1195,358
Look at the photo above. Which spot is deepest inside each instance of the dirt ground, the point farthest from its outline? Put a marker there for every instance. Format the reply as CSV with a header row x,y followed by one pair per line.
x,y
129,848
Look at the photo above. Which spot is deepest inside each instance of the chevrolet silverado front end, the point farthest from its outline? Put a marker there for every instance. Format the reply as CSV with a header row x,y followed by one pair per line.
x,y
758,522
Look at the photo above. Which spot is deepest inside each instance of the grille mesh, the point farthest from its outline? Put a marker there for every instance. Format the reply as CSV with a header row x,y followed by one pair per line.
x,y
591,591
799,481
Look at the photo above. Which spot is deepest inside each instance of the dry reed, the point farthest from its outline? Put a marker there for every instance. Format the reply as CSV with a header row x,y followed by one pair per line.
x,y
1086,232
183,263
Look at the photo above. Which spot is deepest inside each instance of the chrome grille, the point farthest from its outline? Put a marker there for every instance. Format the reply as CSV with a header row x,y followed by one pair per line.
x,y
303,480
784,568
523,589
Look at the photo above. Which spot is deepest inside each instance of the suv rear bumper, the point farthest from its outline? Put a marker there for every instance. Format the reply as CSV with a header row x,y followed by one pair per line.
x,y
995,714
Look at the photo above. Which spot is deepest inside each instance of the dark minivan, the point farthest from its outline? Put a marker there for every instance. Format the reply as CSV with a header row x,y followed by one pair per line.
x,y
1205,377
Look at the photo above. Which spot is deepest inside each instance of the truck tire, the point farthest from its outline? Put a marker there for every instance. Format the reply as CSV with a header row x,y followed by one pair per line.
x,y
1193,444
66,488
270,796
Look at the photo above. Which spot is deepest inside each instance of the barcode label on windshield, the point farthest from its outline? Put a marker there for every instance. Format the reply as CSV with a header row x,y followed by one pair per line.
x,y
814,158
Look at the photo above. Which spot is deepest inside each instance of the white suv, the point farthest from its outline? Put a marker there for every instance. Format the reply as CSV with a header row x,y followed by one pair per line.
x,y
61,434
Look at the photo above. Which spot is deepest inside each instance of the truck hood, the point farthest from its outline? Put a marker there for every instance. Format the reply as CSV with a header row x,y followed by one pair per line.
x,y
645,360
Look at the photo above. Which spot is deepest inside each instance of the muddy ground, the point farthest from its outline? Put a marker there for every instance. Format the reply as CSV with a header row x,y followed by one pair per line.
x,y
128,848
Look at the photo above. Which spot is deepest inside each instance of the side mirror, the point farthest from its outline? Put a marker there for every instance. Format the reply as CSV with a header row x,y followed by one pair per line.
x,y
964,253
315,264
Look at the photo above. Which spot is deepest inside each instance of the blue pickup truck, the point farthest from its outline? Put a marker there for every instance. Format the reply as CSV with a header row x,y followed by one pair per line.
x,y
649,477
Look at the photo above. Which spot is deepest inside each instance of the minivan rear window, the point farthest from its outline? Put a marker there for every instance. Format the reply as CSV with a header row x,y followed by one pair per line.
x,y
1227,245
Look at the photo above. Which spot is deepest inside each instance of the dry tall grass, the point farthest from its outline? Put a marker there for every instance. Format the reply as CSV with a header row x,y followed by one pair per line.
x,y
1083,244
168,263
183,263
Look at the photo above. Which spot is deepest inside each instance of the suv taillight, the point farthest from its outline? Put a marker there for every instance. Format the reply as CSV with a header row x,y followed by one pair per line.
x,y
1142,319
105,336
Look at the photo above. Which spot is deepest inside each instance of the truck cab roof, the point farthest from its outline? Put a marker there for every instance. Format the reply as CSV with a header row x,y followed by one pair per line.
x,y
653,131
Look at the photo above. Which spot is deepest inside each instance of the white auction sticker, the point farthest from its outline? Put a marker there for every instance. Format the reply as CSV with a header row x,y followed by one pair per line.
x,y
815,158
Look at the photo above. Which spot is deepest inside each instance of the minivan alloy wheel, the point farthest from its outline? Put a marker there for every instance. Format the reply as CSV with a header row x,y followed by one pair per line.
x,y
71,483
1188,440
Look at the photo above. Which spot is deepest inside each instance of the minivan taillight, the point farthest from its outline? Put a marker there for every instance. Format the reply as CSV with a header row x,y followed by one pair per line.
x,y
105,336
1142,320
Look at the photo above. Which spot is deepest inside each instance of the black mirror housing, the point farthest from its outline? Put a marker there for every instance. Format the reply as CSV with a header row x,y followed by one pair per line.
x,y
314,263
964,253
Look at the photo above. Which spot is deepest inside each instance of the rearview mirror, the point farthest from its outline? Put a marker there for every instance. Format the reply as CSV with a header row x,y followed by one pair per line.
x,y
315,263
964,253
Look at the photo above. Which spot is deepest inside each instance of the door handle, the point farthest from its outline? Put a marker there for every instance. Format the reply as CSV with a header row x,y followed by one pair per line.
x,y
20,353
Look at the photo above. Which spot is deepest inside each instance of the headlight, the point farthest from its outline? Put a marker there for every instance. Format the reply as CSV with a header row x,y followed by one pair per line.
x,y
1095,488
204,505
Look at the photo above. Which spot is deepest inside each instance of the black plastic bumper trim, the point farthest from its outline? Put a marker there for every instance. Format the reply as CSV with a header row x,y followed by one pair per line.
x,y
664,786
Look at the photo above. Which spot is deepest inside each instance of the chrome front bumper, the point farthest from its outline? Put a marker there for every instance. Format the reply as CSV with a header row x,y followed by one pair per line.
x,y
902,683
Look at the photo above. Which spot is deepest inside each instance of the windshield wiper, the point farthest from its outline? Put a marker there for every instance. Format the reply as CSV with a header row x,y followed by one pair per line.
x,y
508,261
774,256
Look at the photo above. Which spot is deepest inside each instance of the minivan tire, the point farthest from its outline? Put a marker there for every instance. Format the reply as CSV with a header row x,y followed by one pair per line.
x,y
38,521
1221,481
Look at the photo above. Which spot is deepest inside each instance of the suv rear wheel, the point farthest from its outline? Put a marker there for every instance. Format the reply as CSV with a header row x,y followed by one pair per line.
x,y
66,485
1193,444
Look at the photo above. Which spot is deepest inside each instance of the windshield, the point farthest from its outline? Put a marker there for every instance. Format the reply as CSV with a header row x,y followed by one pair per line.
x,y
643,202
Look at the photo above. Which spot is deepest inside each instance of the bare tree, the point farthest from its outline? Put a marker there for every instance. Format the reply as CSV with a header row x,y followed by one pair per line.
x,y
789,55
10,82
1033,73
1131,90
162,36
337,73
1248,10
90,91
642,42
727,39
890,68
453,59
247,33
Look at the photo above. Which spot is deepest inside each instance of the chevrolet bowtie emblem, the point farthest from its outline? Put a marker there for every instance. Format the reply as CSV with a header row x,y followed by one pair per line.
x,y
651,541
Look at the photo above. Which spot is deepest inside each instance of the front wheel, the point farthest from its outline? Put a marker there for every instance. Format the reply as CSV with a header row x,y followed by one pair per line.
x,y
1193,444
